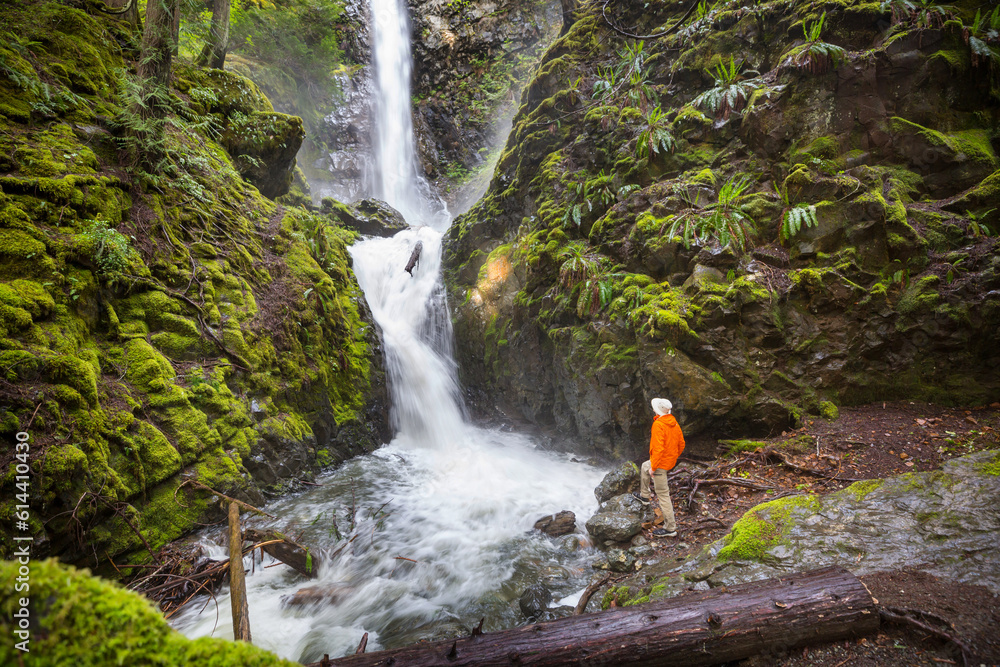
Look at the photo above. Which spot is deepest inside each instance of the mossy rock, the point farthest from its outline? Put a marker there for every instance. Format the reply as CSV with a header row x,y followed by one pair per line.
x,y
82,619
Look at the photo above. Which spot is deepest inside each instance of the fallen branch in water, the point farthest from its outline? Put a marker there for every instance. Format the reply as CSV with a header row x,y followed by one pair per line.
x,y
587,592
414,257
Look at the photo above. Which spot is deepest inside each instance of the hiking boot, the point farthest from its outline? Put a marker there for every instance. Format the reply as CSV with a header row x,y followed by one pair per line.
x,y
663,532
644,501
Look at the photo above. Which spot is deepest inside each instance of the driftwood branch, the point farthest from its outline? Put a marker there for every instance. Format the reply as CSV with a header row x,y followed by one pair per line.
x,y
414,257
664,33
581,604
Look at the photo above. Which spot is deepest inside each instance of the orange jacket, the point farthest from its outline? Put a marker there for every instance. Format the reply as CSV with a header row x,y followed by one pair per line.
x,y
666,442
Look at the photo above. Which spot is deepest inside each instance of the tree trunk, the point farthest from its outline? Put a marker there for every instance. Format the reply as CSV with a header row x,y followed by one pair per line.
x,y
288,551
214,53
157,52
700,629
237,578
175,30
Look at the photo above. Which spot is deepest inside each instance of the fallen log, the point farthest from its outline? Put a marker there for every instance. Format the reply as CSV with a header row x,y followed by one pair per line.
x,y
705,628
414,257
296,556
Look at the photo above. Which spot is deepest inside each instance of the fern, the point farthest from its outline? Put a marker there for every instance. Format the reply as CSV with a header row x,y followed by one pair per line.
x,y
655,136
726,220
814,55
796,219
626,83
730,93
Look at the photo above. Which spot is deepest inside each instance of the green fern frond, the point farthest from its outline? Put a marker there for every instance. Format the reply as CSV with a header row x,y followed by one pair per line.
x,y
796,219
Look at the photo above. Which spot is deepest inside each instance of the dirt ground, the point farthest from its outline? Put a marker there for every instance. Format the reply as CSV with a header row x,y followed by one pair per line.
x,y
866,442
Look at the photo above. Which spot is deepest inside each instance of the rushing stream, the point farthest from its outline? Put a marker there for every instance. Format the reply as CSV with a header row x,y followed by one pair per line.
x,y
433,531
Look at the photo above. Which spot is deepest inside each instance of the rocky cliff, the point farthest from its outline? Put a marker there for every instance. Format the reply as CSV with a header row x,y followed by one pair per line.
x,y
163,320
777,208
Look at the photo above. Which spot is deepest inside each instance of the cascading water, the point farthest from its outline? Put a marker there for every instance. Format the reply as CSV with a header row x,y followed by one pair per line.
x,y
396,179
440,531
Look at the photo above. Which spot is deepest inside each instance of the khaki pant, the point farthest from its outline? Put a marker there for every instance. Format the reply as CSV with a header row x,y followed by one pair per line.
x,y
662,493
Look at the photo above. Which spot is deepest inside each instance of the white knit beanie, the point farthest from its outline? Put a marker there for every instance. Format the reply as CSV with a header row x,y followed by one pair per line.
x,y
661,406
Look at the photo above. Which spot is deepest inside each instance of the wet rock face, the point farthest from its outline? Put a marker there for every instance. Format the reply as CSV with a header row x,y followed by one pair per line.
x,y
463,57
343,172
572,311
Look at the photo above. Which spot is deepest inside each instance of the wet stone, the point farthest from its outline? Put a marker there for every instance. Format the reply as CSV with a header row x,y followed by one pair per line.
x,y
534,600
623,479
625,503
620,560
615,526
556,525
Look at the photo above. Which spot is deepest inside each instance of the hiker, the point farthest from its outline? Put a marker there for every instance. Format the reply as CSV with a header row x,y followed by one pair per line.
x,y
666,443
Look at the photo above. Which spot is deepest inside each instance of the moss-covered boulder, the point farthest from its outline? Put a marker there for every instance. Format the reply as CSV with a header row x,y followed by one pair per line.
x,y
73,617
941,521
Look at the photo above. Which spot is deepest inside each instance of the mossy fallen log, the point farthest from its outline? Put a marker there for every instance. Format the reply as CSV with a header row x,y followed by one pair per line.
x,y
706,628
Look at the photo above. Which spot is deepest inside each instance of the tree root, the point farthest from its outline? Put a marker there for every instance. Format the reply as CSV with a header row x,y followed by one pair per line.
x,y
903,617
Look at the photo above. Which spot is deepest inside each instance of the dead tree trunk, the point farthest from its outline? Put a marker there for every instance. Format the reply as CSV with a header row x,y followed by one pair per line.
x,y
700,629
414,257
288,551
237,578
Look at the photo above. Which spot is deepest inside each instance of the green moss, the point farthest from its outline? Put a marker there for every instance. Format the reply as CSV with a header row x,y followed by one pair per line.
x,y
973,144
828,410
859,490
86,620
76,373
992,467
762,528
624,596
738,446
918,296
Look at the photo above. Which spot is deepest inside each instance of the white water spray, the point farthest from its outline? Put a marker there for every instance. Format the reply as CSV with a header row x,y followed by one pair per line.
x,y
442,528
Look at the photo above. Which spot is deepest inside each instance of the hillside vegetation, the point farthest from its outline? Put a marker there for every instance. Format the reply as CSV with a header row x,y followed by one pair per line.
x,y
162,319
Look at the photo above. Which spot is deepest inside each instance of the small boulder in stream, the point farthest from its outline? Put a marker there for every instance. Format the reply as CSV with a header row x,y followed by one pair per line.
x,y
534,600
557,525
622,479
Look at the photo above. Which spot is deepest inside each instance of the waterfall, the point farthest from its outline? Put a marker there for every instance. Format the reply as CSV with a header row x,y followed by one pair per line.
x,y
395,176
432,532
